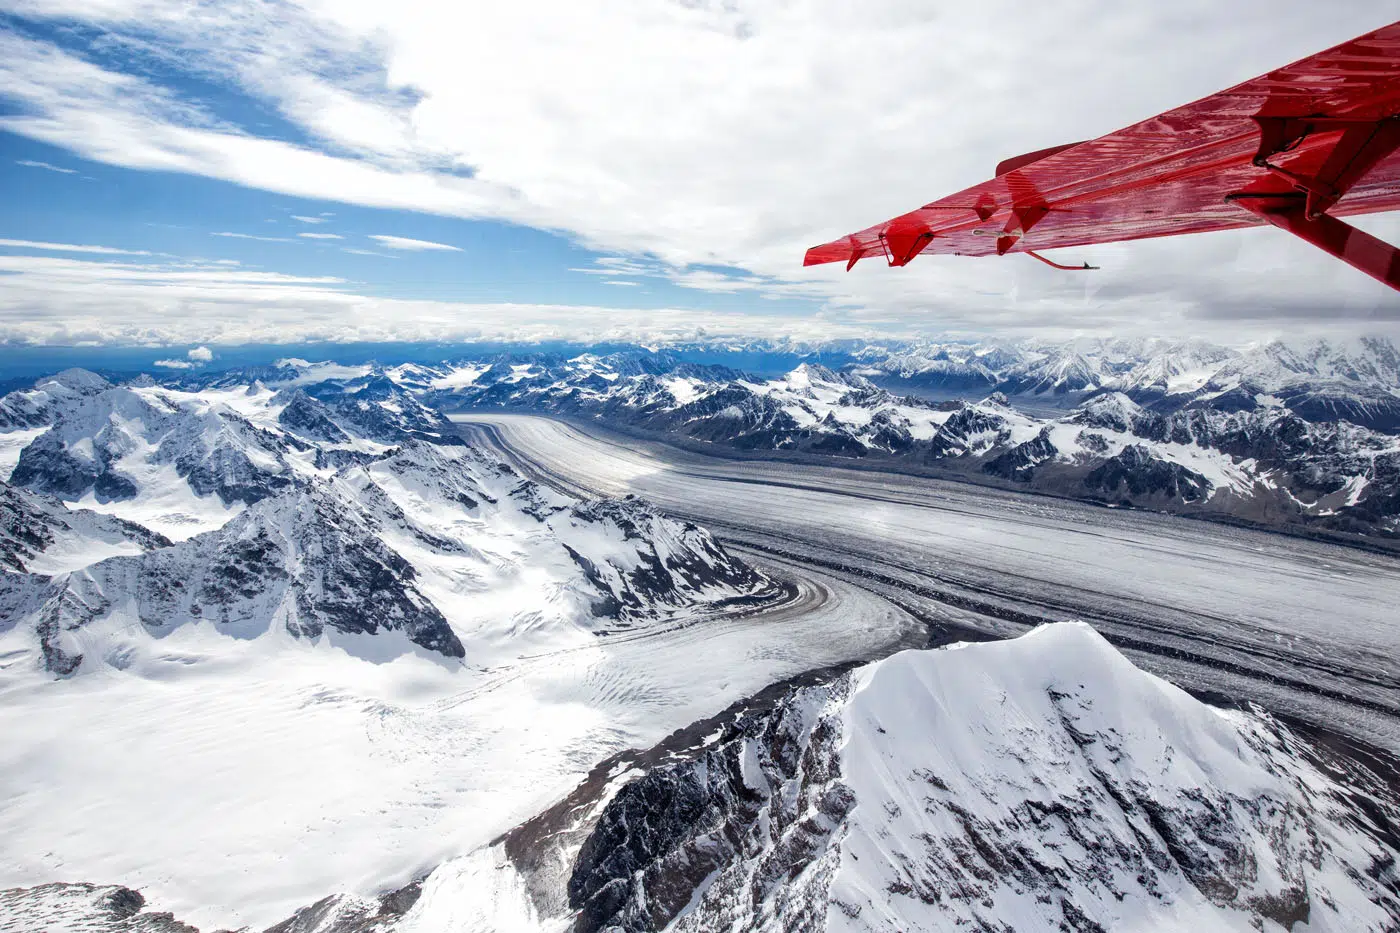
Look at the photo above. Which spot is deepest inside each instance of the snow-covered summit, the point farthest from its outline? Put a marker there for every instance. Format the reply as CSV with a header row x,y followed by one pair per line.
x,y
1036,784
29,408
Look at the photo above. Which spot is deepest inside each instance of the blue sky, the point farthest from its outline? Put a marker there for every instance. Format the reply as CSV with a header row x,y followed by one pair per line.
x,y
178,215
588,170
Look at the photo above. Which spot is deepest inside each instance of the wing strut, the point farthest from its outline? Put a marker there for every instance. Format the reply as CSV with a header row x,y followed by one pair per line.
x,y
1356,248
1301,206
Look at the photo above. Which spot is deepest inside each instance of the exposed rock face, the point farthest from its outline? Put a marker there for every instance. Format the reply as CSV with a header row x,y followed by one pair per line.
x,y
89,908
32,523
377,408
343,913
968,430
310,558
754,812
309,419
98,442
1020,461
667,563
1042,783
36,407
1136,473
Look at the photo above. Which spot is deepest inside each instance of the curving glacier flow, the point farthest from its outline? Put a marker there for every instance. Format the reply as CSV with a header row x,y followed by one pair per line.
x,y
287,649
1305,628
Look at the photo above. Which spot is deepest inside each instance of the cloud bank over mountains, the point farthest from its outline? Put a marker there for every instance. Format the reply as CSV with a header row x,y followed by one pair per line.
x,y
709,142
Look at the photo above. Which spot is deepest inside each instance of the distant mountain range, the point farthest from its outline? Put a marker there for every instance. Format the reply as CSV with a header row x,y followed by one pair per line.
x,y
1304,437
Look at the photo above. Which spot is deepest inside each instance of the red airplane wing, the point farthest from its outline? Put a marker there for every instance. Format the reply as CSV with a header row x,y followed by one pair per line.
x,y
1296,148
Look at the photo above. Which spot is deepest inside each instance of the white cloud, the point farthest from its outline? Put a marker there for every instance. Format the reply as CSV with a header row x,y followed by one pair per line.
x,y
31,163
321,236
72,248
403,242
706,134
249,236
309,220
621,282
53,301
200,355
69,301
175,364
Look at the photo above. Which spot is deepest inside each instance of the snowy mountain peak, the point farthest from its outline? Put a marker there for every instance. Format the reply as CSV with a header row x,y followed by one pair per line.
x,y
1041,783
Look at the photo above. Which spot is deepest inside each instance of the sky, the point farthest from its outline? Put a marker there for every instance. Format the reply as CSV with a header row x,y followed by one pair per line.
x,y
176,172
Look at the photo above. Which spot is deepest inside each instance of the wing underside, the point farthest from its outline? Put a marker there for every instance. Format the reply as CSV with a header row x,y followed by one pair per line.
x,y
1322,134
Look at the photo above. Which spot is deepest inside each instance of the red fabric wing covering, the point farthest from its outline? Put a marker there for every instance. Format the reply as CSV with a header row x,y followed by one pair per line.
x,y
1178,172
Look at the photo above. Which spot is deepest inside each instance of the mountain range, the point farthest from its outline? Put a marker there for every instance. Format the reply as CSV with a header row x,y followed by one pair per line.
x,y
316,512
1305,438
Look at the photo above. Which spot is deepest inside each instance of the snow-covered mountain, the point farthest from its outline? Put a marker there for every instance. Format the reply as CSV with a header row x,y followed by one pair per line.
x,y
315,511
37,406
1039,784
1356,381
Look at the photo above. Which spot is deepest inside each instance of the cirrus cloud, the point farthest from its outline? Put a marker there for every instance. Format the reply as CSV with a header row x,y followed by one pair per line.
x,y
33,163
403,242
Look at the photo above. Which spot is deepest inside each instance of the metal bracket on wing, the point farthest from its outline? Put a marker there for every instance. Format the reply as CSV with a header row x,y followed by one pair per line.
x,y
1302,208
1019,224
1361,145
1357,248
903,240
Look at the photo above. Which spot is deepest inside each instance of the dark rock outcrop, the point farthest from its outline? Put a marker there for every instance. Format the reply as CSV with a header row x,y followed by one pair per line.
x,y
1135,472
